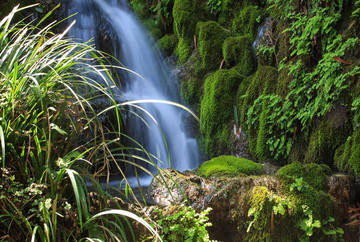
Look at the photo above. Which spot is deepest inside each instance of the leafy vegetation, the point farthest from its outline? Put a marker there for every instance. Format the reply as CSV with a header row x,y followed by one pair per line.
x,y
48,87
185,224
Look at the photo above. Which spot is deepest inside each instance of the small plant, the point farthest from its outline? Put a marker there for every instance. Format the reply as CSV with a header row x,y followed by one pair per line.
x,y
308,223
214,5
298,184
185,224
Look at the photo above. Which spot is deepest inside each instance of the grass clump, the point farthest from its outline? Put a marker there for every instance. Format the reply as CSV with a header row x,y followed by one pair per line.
x,y
229,166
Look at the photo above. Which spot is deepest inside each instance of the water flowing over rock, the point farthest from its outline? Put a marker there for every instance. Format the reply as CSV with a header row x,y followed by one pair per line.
x,y
163,135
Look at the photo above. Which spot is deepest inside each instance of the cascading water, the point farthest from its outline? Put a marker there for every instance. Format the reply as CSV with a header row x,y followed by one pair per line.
x,y
132,47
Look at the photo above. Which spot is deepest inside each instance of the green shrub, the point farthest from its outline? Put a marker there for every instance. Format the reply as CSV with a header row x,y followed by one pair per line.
x,y
229,166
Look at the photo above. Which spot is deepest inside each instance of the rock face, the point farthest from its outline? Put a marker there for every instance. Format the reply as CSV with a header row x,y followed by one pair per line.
x,y
227,197
232,197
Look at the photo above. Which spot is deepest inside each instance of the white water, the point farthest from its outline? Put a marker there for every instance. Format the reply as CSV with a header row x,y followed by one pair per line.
x,y
158,83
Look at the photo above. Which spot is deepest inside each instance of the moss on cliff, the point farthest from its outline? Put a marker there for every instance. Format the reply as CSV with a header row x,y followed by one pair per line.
x,y
184,27
168,43
210,40
331,133
217,111
229,166
237,52
263,82
247,22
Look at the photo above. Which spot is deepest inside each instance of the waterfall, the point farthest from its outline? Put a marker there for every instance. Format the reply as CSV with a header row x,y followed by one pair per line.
x,y
131,45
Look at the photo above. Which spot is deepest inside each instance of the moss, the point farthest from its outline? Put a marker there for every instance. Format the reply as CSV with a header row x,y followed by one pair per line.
x,y
354,160
184,27
283,82
247,22
217,111
330,135
313,174
140,7
229,166
210,40
262,151
263,82
267,227
231,8
191,90
237,52
168,43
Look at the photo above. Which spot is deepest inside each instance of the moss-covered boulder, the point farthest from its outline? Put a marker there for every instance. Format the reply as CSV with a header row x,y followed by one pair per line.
x,y
217,111
312,174
237,52
168,43
229,166
210,41
184,27
247,22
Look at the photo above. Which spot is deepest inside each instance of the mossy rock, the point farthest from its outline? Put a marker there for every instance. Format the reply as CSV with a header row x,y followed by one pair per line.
x,y
184,27
231,8
263,82
313,174
140,7
237,52
217,111
229,166
331,133
168,43
283,82
211,37
247,22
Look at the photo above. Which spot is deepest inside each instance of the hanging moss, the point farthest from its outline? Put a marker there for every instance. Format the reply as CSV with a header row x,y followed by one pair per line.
x,y
247,22
237,52
210,41
168,43
229,166
217,111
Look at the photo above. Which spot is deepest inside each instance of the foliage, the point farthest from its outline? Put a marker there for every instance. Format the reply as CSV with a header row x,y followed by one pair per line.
x,y
319,73
163,11
229,166
52,137
185,224
214,6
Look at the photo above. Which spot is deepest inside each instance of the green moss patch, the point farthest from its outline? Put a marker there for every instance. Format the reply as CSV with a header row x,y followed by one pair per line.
x,y
229,166
313,174
237,52
168,43
247,21
217,111
211,38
